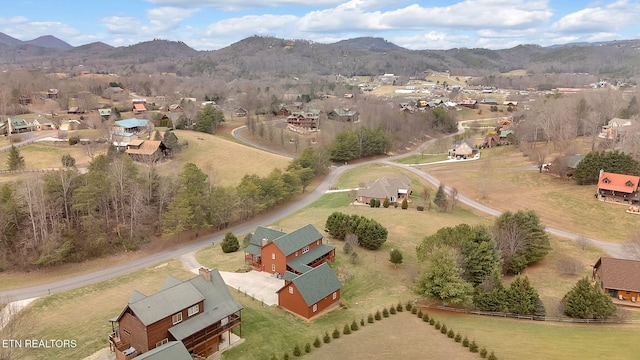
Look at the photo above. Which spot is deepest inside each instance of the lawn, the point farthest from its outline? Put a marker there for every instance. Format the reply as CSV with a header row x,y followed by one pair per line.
x,y
225,162
41,155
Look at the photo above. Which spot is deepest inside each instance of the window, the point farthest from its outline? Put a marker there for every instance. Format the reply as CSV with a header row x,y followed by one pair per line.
x,y
335,295
273,267
290,289
318,242
193,310
315,307
162,342
606,181
305,249
273,256
176,318
629,184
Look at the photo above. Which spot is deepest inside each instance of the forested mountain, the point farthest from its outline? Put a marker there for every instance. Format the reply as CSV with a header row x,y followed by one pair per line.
x,y
267,57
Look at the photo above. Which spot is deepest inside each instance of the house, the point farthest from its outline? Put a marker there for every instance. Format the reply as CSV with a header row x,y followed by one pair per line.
x,y
132,125
173,350
147,151
620,278
52,93
615,128
489,101
463,149
565,165
105,114
311,292
24,100
200,312
510,103
17,125
240,112
469,103
344,115
307,119
278,252
620,188
139,108
175,107
394,189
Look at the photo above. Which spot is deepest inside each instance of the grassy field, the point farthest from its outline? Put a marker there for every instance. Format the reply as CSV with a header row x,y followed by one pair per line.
x,y
502,175
42,155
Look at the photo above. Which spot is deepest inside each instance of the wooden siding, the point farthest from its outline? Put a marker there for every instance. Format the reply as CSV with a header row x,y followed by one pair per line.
x,y
133,332
296,304
280,261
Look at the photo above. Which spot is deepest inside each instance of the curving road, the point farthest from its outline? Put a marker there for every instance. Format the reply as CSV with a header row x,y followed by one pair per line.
x,y
178,251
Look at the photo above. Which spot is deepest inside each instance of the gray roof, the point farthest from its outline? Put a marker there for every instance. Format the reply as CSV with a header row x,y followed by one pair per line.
x,y
264,233
165,303
173,350
465,141
573,160
300,263
317,283
385,187
296,240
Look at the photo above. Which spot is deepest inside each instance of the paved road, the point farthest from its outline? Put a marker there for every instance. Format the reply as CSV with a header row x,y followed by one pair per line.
x,y
176,252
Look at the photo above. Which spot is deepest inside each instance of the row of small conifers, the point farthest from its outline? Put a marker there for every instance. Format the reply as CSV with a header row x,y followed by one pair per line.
x,y
379,315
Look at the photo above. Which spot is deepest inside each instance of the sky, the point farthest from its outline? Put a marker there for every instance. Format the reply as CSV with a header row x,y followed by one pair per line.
x,y
417,25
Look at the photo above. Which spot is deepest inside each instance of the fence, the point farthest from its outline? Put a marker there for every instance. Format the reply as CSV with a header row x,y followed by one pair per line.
x,y
529,317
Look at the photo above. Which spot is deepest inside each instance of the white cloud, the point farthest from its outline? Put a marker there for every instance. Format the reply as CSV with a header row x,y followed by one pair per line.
x,y
433,40
13,20
614,16
233,5
121,25
167,18
253,24
34,29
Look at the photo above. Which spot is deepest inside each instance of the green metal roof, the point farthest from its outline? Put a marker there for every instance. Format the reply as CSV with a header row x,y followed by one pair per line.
x,y
253,249
317,283
264,233
300,263
296,240
173,350
165,303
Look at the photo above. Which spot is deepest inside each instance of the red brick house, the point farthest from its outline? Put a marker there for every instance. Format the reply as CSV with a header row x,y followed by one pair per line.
x,y
310,293
278,252
619,188
200,312
620,278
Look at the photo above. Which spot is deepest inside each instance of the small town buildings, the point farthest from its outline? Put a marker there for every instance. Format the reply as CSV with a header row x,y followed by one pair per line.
x,y
469,103
278,252
127,130
615,128
343,115
147,151
394,189
200,312
620,278
463,149
311,292
619,188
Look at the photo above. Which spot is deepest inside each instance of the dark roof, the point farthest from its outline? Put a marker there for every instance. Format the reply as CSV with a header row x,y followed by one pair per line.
x,y
255,244
173,350
300,263
165,303
619,274
385,187
317,283
297,239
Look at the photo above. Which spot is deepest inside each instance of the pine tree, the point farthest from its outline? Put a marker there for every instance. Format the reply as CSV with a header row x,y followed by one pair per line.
x,y
15,161
230,243
586,301
395,257
441,198
405,204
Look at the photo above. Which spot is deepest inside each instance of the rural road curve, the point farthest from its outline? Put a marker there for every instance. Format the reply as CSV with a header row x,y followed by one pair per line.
x,y
177,252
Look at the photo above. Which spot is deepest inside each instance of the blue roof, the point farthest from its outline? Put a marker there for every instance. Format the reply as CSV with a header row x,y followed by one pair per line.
x,y
131,123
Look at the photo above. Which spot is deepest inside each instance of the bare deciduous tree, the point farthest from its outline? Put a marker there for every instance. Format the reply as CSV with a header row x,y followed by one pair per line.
x,y
632,247
455,194
510,241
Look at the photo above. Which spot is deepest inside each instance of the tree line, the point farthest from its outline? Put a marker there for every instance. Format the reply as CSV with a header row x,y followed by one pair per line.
x,y
66,216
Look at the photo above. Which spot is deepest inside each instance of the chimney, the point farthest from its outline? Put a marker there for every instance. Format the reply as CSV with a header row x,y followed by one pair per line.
x,y
206,273
265,241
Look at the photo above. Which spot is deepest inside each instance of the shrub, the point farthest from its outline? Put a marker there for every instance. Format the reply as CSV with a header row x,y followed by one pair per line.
x,y
408,306
392,310
432,321
317,342
414,311
465,342
399,307
273,357
450,334
336,333
354,325
458,337
346,330
420,208
74,140
326,338
307,348
443,329
473,347
437,325
386,203
378,316
425,318
285,356
230,243
420,314
296,350
385,312
492,356
405,204
370,319
483,353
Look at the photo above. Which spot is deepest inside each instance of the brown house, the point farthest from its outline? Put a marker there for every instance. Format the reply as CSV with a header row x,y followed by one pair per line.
x,y
619,188
148,151
343,115
200,312
310,293
394,189
306,119
278,252
620,278
463,149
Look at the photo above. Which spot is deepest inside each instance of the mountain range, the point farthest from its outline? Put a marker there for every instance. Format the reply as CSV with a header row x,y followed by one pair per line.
x,y
260,56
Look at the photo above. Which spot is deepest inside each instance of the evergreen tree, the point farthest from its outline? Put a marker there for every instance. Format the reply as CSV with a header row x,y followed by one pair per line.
x,y
395,257
230,243
440,199
588,169
442,279
521,238
385,203
586,301
405,204
68,160
15,161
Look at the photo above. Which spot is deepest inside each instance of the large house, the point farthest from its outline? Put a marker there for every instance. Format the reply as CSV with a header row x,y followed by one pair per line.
x,y
618,187
306,119
278,252
343,115
394,189
200,312
620,278
615,128
147,151
311,292
127,130
463,149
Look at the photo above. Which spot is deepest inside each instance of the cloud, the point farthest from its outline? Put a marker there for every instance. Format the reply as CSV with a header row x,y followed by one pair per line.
x,y
34,29
167,18
13,20
254,24
433,40
614,16
121,25
233,5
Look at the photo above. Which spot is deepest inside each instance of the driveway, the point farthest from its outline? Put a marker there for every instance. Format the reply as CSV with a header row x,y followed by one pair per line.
x,y
259,285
